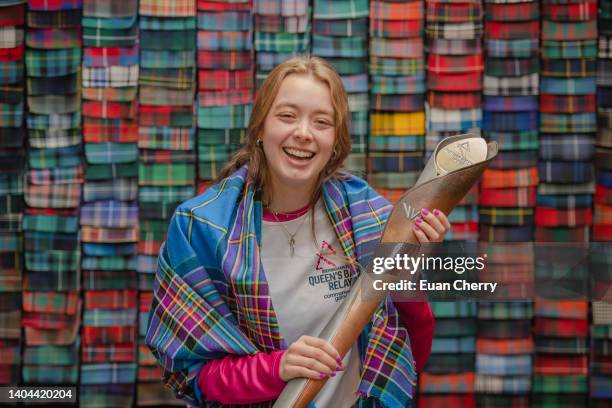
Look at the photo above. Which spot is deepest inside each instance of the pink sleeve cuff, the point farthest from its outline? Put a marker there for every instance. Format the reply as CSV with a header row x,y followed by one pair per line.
x,y
418,319
242,380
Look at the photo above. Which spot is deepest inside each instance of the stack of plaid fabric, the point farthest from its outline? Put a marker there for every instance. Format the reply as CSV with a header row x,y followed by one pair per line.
x,y
561,362
282,30
507,200
225,81
504,348
53,192
340,35
567,120
12,167
109,212
166,168
454,81
601,331
448,378
397,137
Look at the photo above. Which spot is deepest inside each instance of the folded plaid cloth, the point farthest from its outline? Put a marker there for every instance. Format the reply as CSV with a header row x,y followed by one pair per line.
x,y
455,82
570,49
505,311
12,72
394,124
512,67
454,100
395,143
395,11
52,38
110,76
523,85
561,327
566,147
520,11
569,68
61,85
580,188
562,234
561,309
104,153
11,37
449,363
395,66
53,104
56,355
176,116
108,56
568,123
510,197
561,345
489,384
510,121
461,31
178,40
455,64
54,196
493,233
578,11
51,5
522,48
445,46
603,195
488,364
279,24
452,12
100,130
329,10
116,25
166,59
504,347
13,15
389,180
568,86
511,30
50,374
561,384
100,37
110,373
178,8
117,189
566,172
388,28
285,42
564,201
205,5
396,48
567,103
398,103
462,383
357,47
52,62
602,313
224,60
457,119
110,8
395,161
584,30
392,85
510,103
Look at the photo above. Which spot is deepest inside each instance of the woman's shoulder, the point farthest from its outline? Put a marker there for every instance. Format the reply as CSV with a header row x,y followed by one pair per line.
x,y
356,185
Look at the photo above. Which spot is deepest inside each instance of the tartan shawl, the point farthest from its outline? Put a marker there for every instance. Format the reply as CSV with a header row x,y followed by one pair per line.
x,y
214,301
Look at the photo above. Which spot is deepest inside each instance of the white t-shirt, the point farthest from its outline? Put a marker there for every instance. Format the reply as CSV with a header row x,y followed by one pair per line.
x,y
307,289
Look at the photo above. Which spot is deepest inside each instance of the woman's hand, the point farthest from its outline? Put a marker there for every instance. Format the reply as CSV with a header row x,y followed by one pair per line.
x,y
432,226
310,357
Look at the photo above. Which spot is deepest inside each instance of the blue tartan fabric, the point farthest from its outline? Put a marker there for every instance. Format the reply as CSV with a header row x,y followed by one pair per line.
x,y
488,364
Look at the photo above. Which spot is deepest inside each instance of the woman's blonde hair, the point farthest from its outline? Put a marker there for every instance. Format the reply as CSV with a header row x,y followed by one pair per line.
x,y
253,154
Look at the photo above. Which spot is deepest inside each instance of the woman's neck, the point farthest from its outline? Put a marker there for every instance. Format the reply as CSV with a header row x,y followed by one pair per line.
x,y
285,199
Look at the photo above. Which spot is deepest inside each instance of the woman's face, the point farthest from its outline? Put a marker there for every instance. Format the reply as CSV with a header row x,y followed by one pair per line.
x,y
299,132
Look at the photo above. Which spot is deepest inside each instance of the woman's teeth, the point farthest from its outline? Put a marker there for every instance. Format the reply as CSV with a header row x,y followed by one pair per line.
x,y
299,154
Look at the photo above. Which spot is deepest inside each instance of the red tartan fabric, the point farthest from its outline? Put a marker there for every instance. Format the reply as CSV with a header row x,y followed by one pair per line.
x,y
505,346
495,30
204,5
561,327
578,11
567,103
224,79
602,232
550,364
454,100
508,197
108,335
510,178
98,130
110,299
512,11
455,82
446,401
12,15
446,64
553,217
115,353
11,54
603,195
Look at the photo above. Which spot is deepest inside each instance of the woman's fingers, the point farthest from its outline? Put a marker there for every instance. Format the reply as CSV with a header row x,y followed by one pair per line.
x,y
430,232
325,351
433,221
308,363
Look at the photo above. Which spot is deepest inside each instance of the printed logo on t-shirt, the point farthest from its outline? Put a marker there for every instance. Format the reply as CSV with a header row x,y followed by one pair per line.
x,y
335,281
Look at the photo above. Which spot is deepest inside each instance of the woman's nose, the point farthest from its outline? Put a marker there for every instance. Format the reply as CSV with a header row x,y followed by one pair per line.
x,y
303,130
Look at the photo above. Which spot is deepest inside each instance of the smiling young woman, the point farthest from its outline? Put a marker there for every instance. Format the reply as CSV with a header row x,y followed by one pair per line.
x,y
243,288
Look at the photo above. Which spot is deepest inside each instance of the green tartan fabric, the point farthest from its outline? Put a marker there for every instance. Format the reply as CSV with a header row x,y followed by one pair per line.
x,y
157,96
98,37
337,9
52,354
348,66
50,374
281,42
235,136
54,104
505,311
165,194
166,174
454,309
52,63
569,49
224,117
56,261
403,180
560,345
396,66
342,47
560,384
108,263
110,171
167,24
168,40
50,223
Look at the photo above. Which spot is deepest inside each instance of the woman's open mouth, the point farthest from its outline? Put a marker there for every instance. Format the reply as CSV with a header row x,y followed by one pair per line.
x,y
298,154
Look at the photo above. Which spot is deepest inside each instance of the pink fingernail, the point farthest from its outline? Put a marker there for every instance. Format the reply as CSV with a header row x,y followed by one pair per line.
x,y
338,359
436,211
338,368
321,375
333,374
425,211
416,227
419,219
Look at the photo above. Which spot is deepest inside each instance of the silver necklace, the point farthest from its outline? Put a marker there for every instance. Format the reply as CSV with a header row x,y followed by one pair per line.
x,y
290,236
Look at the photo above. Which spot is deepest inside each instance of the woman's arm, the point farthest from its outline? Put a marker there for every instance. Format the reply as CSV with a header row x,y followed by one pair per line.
x,y
242,380
418,319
